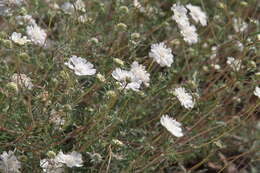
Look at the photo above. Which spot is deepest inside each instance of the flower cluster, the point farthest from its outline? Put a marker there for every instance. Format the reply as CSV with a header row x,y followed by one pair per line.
x,y
132,79
188,30
56,164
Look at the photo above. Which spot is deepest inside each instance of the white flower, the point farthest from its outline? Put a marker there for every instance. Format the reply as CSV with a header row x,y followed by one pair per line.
x,y
235,64
171,125
36,34
67,8
239,25
184,97
9,163
72,159
188,31
51,166
17,38
161,54
197,14
180,14
140,74
80,66
22,80
257,92
126,79
189,34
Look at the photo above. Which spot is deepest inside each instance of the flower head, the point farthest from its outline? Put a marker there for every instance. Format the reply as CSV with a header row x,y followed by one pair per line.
x,y
140,74
80,66
257,92
72,159
184,97
36,34
189,34
161,54
126,79
171,125
180,14
9,162
22,80
17,38
197,14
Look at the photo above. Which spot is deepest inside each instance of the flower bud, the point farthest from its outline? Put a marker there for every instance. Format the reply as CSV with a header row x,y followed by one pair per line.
x,y
94,40
124,9
121,27
12,86
51,154
101,77
118,61
111,93
135,36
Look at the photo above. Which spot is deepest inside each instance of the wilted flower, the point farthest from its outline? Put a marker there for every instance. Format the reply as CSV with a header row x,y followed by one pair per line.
x,y
9,163
80,66
161,54
51,166
235,64
67,8
17,38
140,74
239,25
171,125
72,159
184,97
80,6
257,92
22,80
26,19
197,14
36,34
138,6
126,79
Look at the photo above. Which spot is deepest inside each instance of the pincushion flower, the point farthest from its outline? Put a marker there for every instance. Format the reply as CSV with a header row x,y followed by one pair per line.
x,y
73,159
184,97
126,79
171,125
189,34
36,34
180,14
140,74
80,66
235,64
197,14
9,162
17,38
161,54
257,92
